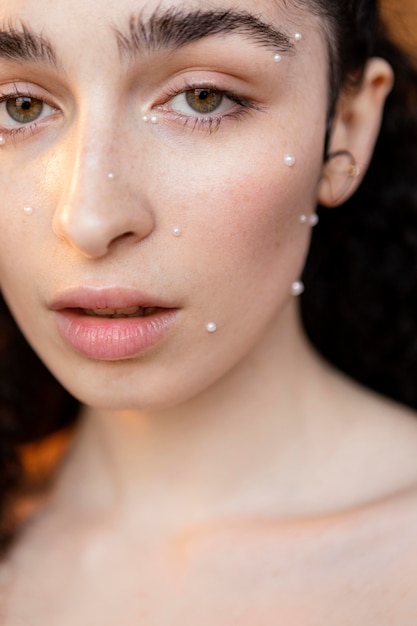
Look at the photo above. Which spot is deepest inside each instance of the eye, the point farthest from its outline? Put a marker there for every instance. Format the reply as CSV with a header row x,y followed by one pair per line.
x,y
22,109
201,100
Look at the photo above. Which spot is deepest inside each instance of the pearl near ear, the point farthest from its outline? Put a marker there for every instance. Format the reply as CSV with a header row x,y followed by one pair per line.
x,y
314,219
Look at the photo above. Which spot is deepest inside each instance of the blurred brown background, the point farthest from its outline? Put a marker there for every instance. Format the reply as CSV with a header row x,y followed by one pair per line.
x,y
401,15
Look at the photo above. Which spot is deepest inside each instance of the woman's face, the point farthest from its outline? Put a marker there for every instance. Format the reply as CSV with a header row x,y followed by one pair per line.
x,y
151,141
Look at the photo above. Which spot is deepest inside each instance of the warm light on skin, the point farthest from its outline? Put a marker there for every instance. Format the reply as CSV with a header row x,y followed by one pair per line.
x,y
216,477
230,191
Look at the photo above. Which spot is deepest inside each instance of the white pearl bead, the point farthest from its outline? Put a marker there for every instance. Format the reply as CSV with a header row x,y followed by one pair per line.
x,y
277,58
154,119
177,232
2,140
303,219
111,176
298,36
289,160
297,288
314,219
146,118
211,327
28,210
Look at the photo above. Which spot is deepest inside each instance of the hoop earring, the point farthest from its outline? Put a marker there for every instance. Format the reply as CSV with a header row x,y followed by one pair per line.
x,y
352,170
341,169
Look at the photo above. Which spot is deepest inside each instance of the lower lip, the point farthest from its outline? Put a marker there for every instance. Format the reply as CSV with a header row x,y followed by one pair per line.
x,y
112,339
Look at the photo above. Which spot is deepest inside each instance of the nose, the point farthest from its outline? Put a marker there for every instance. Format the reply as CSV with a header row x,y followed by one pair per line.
x,y
100,203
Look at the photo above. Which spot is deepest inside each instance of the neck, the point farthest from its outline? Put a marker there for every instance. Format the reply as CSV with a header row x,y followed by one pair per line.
x,y
225,450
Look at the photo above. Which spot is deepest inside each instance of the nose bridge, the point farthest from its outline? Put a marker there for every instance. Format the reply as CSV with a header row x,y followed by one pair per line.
x,y
99,200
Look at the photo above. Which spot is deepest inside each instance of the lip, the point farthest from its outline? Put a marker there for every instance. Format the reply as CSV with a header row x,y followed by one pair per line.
x,y
110,339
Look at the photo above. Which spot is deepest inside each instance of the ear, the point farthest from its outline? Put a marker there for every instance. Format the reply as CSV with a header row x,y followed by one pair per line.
x,y
354,132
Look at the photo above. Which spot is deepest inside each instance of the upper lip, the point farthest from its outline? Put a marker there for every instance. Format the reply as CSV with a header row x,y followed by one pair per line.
x,y
105,298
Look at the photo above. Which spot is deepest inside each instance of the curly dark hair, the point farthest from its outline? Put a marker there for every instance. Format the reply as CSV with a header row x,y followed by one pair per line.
x,y
359,308
360,305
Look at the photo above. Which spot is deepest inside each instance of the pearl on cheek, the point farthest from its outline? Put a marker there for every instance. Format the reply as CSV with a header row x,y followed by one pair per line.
x,y
289,160
28,210
211,327
153,119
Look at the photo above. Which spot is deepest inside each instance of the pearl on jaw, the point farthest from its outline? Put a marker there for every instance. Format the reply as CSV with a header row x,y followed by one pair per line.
x,y
211,327
297,288
177,232
28,210
289,160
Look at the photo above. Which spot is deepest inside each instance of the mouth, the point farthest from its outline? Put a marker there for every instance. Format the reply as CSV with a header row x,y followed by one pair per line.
x,y
112,324
133,311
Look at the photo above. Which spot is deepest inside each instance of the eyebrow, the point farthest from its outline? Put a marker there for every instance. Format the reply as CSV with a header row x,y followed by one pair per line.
x,y
175,28
21,44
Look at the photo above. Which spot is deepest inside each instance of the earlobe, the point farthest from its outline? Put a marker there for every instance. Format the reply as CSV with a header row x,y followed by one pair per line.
x,y
354,133
339,178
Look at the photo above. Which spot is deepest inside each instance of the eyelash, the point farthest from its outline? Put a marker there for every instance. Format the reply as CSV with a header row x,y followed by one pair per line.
x,y
207,122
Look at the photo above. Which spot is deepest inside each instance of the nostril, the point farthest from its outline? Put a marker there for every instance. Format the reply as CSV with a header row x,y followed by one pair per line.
x,y
124,237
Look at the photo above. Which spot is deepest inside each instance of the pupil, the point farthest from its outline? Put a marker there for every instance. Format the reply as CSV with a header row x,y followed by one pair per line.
x,y
26,104
203,95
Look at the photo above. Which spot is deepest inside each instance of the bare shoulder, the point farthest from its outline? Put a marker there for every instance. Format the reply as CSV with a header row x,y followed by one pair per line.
x,y
356,567
375,437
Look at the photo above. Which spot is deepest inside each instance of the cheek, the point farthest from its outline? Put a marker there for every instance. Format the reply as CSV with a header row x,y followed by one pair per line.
x,y
245,223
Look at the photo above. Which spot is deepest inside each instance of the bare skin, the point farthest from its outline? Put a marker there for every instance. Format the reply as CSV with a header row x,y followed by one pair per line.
x,y
295,540
221,479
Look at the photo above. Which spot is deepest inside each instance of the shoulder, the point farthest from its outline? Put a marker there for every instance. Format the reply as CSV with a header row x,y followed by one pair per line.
x,y
353,567
374,441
